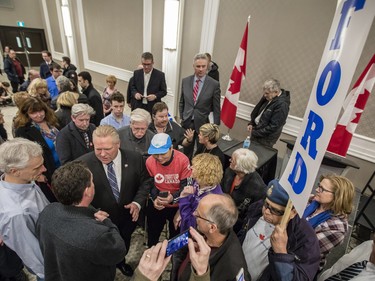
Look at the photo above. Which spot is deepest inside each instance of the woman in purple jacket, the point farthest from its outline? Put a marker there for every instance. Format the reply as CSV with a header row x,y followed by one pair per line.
x,y
207,173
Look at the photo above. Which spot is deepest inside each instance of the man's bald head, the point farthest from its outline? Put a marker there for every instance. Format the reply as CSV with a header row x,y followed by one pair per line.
x,y
33,74
221,209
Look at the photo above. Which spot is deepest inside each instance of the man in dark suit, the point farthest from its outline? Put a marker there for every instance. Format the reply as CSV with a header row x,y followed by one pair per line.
x,y
93,97
148,84
75,139
44,66
200,94
120,180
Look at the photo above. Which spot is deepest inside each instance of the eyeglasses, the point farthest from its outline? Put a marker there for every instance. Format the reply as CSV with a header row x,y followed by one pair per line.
x,y
322,189
273,211
195,214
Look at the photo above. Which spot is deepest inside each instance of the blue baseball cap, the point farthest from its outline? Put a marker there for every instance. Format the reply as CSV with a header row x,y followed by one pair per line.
x,y
160,144
277,194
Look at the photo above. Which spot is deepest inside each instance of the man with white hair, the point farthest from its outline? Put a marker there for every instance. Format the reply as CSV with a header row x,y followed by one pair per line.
x,y
75,139
21,200
136,136
30,77
269,115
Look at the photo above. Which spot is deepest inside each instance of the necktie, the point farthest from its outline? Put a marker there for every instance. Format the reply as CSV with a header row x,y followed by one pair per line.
x,y
195,90
349,272
113,181
86,138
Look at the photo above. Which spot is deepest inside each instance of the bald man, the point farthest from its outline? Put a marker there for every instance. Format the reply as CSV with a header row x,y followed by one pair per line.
x,y
216,214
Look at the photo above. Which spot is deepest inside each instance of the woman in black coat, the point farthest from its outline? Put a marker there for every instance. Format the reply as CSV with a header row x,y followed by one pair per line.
x,y
242,181
64,102
37,122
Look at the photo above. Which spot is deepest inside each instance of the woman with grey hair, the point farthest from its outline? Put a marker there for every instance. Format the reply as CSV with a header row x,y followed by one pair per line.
x,y
242,181
64,84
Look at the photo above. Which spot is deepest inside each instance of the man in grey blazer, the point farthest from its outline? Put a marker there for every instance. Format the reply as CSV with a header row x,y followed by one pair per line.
x,y
200,94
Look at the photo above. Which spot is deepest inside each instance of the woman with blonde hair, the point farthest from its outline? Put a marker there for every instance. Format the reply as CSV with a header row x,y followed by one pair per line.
x,y
206,177
64,103
38,89
111,81
208,137
207,174
328,212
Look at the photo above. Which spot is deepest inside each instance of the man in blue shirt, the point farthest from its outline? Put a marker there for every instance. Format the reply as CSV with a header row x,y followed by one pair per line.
x,y
55,70
117,118
21,200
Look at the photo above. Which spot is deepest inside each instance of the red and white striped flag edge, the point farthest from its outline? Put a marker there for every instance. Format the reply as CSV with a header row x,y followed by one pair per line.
x,y
353,106
230,104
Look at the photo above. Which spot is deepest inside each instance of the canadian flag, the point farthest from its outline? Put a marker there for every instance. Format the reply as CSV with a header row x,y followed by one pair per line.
x,y
354,105
232,95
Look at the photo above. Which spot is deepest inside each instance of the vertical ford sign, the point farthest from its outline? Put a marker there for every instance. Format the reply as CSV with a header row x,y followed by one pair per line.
x,y
347,36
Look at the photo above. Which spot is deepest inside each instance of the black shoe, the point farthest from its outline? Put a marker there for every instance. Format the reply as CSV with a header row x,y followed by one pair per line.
x,y
126,269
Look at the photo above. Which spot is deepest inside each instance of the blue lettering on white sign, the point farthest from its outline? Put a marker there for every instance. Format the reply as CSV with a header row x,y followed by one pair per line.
x,y
344,21
314,130
315,125
299,166
334,68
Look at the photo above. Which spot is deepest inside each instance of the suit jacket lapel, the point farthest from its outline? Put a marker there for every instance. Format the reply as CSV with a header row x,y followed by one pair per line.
x,y
142,82
77,135
124,168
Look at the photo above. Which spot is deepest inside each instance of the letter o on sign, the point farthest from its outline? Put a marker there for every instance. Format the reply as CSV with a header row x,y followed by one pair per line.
x,y
334,68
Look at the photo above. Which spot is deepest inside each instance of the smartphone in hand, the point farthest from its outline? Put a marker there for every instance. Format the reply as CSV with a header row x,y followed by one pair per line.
x,y
163,194
177,242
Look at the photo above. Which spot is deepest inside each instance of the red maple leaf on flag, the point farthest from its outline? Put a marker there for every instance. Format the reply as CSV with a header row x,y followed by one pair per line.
x,y
229,108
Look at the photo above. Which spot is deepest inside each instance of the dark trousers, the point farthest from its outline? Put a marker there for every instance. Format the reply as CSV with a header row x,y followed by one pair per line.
x,y
14,86
126,228
156,220
10,263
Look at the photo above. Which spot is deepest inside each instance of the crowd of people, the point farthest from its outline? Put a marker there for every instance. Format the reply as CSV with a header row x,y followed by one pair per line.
x,y
80,176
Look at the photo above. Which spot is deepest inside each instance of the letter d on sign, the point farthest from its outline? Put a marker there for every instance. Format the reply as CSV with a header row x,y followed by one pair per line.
x,y
299,169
